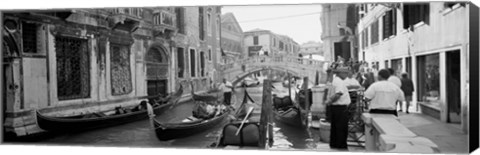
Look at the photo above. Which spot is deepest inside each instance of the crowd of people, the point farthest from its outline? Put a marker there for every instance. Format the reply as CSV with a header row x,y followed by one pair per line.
x,y
383,91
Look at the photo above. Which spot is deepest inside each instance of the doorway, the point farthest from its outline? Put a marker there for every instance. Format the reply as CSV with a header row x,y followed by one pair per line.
x,y
453,87
342,49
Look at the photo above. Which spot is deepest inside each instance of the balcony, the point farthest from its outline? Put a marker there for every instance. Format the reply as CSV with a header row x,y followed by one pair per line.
x,y
164,23
163,19
125,18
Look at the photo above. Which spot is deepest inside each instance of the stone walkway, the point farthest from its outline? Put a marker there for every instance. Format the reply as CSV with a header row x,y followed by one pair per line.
x,y
449,137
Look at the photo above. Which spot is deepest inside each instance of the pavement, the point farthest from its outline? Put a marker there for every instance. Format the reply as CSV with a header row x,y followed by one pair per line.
x,y
448,136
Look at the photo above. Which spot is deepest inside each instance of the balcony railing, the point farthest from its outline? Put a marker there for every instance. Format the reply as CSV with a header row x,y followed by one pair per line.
x,y
131,12
163,18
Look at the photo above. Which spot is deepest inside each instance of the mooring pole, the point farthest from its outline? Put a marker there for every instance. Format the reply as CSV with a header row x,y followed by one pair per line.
x,y
266,130
307,100
289,85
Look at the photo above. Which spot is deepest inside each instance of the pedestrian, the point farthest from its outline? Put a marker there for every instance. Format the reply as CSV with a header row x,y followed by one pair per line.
x,y
338,114
226,88
383,95
394,78
407,88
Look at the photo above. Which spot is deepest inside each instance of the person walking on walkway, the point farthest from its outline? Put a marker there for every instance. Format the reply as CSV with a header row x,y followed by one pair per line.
x,y
383,95
407,88
393,78
338,110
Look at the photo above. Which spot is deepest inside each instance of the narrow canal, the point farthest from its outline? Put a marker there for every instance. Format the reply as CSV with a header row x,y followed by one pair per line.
x,y
140,133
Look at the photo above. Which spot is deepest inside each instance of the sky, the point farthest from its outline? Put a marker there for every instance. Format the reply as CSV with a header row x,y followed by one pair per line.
x,y
300,22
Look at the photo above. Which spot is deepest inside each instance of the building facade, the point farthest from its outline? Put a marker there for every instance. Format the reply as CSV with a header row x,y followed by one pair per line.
x,y
68,62
430,42
265,42
231,38
338,31
311,50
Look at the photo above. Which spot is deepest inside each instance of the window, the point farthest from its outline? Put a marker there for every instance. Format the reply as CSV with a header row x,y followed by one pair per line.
x,y
180,13
180,62
73,74
281,45
209,54
274,42
374,32
30,37
120,69
414,13
389,23
202,64
192,63
209,24
428,78
201,26
255,40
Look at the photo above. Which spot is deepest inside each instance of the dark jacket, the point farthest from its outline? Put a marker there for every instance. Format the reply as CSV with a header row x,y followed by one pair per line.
x,y
407,86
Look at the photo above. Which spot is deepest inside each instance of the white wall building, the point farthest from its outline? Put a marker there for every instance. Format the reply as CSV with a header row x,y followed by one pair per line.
x,y
430,42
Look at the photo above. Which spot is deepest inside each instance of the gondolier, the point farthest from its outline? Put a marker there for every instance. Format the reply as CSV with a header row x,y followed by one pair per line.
x,y
338,107
226,88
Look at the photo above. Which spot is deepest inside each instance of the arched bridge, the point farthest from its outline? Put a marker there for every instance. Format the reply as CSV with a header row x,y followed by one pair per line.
x,y
300,67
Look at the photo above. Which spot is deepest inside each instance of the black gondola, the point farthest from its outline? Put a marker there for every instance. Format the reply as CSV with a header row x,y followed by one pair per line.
x,y
209,97
248,137
99,119
169,131
286,112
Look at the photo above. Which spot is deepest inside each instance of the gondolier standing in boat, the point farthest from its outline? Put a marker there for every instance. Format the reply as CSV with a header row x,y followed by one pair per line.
x,y
338,107
226,88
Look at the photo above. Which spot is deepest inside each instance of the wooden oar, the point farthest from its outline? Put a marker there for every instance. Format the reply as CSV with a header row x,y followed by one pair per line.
x,y
244,120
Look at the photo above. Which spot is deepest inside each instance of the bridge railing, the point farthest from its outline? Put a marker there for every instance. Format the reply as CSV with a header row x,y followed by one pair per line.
x,y
275,59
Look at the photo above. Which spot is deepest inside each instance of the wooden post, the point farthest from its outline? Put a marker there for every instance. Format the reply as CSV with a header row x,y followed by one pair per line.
x,y
289,85
306,107
265,115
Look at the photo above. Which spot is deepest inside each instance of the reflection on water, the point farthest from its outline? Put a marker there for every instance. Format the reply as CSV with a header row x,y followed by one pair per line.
x,y
140,133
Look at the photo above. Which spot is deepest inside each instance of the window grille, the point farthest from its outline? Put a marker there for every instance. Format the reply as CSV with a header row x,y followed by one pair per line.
x,y
157,65
120,74
73,64
29,36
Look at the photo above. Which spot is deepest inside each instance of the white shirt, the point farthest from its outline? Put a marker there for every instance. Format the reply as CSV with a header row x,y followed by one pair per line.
x,y
339,85
383,95
351,82
224,88
395,80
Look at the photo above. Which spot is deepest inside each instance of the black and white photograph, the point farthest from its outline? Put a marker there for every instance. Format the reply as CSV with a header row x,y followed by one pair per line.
x,y
348,77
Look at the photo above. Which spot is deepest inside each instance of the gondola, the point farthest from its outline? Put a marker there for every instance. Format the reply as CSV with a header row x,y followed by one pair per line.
x,y
212,96
286,112
101,119
169,131
248,136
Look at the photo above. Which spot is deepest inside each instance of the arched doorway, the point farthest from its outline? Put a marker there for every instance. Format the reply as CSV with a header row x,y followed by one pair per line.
x,y
157,71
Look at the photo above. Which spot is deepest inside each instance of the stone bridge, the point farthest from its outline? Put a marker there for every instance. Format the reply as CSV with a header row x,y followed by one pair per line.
x,y
299,67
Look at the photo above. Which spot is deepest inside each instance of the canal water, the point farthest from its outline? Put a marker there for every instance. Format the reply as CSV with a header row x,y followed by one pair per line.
x,y
140,133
